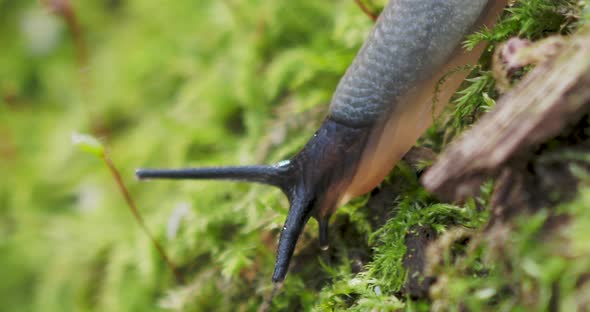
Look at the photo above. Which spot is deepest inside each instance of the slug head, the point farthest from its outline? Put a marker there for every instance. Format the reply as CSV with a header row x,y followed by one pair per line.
x,y
315,182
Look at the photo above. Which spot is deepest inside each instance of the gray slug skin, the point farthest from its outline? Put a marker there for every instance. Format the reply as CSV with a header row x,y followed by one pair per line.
x,y
406,104
411,40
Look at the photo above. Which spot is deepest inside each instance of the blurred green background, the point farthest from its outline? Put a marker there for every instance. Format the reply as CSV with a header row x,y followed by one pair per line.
x,y
212,82
161,84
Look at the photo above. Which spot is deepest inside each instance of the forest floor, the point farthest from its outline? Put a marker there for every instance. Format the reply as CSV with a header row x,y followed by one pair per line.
x,y
489,211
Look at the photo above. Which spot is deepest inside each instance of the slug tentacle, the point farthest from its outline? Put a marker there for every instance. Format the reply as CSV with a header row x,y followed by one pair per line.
x,y
299,214
271,175
324,223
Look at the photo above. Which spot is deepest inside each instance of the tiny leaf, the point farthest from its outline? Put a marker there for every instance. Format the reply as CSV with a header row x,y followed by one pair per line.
x,y
88,144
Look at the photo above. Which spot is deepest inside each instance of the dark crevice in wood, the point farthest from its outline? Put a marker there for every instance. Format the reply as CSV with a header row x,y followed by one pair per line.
x,y
417,285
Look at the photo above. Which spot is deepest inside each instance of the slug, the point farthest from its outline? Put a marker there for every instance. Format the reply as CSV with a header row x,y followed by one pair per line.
x,y
381,106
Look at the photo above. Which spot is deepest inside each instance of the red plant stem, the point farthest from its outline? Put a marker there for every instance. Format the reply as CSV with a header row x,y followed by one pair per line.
x,y
64,9
131,203
366,10
76,31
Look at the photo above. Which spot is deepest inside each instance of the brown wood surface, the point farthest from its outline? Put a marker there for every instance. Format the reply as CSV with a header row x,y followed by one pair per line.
x,y
551,97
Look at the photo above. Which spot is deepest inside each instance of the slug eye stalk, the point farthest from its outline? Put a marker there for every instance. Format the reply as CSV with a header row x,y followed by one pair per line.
x,y
315,181
271,175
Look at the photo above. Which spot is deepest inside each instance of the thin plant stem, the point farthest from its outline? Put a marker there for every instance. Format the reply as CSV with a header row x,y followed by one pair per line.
x,y
133,207
63,8
366,10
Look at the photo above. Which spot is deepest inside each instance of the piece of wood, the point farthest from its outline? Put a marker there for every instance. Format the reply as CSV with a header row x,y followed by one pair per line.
x,y
552,96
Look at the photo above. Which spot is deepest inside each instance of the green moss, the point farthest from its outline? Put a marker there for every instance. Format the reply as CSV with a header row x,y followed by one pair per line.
x,y
532,19
379,285
201,83
526,267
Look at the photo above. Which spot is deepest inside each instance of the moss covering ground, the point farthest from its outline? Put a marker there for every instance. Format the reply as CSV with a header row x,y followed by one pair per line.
x,y
228,82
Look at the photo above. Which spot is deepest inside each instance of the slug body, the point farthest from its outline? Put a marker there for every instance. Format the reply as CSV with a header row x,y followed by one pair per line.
x,y
380,108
